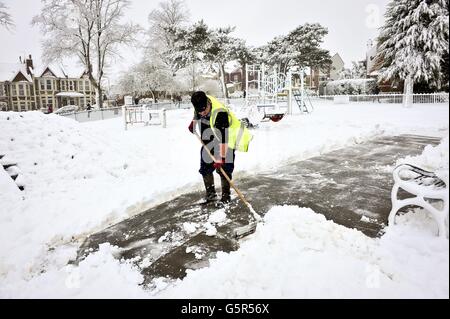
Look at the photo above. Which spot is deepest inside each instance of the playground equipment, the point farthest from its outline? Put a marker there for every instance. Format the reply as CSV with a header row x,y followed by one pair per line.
x,y
272,92
134,114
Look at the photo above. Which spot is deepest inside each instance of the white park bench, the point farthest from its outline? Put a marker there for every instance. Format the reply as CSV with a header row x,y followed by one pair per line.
x,y
425,186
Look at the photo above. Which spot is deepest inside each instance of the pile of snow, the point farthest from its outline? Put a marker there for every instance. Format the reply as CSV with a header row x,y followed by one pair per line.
x,y
100,275
434,159
80,178
67,109
297,253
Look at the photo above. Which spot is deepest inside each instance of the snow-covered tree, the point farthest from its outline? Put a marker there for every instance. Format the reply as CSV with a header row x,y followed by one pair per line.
x,y
413,41
109,34
88,29
69,29
444,71
357,71
214,47
301,47
189,49
146,78
345,74
169,16
5,18
153,78
219,51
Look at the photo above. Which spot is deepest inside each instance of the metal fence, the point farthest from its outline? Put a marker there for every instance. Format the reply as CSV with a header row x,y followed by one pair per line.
x,y
431,98
109,113
95,115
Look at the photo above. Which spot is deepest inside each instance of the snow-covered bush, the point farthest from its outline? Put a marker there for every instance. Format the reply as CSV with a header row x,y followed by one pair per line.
x,y
211,87
67,109
146,101
351,86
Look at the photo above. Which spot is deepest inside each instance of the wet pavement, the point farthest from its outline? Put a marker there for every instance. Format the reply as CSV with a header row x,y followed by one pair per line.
x,y
350,186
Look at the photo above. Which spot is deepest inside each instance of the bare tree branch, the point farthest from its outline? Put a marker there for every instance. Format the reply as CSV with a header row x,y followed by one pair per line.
x,y
5,18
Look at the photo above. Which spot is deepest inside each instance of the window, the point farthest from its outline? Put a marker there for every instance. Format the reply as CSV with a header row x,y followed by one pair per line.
x,y
42,84
49,85
235,78
63,85
80,84
71,86
21,90
86,86
16,106
50,101
13,89
23,106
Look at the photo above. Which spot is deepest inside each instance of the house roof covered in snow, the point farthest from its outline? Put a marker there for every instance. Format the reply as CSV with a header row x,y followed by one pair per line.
x,y
49,70
9,71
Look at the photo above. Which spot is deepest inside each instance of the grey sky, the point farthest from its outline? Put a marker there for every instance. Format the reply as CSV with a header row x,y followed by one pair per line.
x,y
351,23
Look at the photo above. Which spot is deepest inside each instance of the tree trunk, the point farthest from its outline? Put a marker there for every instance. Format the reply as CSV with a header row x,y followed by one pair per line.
x,y
222,80
408,92
99,83
244,76
194,85
99,97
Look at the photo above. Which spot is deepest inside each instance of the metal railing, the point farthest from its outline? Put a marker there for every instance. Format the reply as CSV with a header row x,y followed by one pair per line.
x,y
95,115
109,113
394,98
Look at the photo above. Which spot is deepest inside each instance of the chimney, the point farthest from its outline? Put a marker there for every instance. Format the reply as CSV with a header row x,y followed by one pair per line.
x,y
29,64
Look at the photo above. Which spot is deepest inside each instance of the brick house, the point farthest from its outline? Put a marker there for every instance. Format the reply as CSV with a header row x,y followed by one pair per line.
x,y
316,76
374,65
237,79
23,88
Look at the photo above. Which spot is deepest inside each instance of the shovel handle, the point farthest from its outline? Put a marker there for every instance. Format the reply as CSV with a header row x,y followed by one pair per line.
x,y
257,217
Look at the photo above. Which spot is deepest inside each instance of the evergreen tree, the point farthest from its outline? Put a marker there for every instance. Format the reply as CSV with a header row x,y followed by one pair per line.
x,y
413,41
301,47
219,51
189,48
444,72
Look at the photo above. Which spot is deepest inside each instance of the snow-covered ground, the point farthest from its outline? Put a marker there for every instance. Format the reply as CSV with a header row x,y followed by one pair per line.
x,y
79,178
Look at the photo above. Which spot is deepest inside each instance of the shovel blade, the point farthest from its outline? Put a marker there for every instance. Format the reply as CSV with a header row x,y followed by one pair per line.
x,y
244,231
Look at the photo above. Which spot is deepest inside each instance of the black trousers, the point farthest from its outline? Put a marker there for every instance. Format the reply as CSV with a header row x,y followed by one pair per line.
x,y
207,165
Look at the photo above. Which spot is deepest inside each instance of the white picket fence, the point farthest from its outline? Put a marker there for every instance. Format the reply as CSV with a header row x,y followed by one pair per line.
x,y
425,98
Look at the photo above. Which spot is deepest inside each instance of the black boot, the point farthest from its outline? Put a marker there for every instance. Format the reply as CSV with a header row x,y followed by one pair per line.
x,y
210,188
226,193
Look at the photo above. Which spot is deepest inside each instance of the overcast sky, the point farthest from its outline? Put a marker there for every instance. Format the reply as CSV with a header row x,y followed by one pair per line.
x,y
351,23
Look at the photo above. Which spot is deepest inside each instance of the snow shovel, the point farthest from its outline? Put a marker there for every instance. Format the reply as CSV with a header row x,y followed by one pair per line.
x,y
244,230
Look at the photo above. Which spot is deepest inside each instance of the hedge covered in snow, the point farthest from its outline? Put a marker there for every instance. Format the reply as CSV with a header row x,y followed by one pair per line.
x,y
351,86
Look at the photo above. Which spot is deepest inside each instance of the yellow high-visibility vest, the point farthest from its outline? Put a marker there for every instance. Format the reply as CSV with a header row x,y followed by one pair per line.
x,y
239,136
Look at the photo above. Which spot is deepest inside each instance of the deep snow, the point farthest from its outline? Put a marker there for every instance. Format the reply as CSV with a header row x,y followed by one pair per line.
x,y
79,178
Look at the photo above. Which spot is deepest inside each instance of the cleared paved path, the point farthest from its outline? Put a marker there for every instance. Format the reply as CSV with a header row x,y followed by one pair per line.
x,y
343,185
